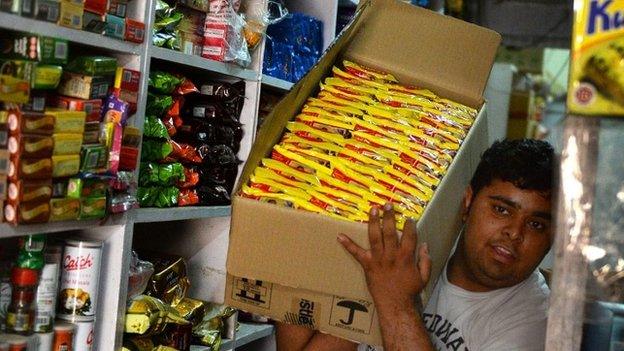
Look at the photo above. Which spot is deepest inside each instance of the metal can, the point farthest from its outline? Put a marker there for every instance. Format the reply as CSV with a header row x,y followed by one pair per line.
x,y
63,337
45,341
80,272
84,336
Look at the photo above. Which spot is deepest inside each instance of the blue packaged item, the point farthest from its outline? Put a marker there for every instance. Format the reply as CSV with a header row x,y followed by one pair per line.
x,y
294,45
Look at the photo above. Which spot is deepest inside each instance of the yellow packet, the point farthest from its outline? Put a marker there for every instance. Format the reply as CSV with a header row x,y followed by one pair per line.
x,y
272,186
357,80
352,111
331,205
425,189
367,73
354,88
337,100
287,171
335,123
304,130
407,91
346,93
407,168
286,200
267,173
317,167
407,102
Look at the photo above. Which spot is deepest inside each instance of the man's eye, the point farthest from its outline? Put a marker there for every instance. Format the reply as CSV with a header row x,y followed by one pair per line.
x,y
501,210
536,225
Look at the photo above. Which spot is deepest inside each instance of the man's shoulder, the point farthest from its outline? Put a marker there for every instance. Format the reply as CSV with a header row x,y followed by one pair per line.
x,y
528,299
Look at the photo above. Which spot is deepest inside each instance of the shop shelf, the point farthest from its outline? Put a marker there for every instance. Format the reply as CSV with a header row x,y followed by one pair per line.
x,y
14,22
247,333
8,230
276,82
144,215
202,63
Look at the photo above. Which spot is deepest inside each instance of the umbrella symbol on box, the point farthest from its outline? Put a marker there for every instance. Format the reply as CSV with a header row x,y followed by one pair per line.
x,y
353,307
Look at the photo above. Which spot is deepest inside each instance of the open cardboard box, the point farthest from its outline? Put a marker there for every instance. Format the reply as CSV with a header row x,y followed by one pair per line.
x,y
286,263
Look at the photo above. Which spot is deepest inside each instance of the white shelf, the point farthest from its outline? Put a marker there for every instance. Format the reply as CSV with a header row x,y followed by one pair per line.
x,y
247,332
276,82
14,22
144,215
8,230
202,63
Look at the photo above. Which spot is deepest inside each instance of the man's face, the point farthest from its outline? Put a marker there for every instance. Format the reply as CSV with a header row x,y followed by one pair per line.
x,y
508,232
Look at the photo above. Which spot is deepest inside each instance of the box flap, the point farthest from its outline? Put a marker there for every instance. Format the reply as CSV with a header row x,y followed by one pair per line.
x,y
449,56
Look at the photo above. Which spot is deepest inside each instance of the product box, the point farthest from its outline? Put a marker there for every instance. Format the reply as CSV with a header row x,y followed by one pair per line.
x,y
64,209
280,258
27,191
92,108
65,165
127,79
118,8
215,41
34,47
30,123
67,121
47,10
91,187
191,43
71,15
27,212
16,78
93,22
67,143
135,31
29,169
36,101
84,87
99,7
31,146
596,85
115,27
92,207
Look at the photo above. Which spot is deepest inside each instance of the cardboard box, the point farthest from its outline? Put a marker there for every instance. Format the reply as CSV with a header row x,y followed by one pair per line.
x,y
47,10
99,7
34,47
71,15
281,259
118,8
115,27
93,22
84,87
135,31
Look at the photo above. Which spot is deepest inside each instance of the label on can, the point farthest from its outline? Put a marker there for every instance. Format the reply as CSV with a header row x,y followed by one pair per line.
x,y
46,298
84,336
79,280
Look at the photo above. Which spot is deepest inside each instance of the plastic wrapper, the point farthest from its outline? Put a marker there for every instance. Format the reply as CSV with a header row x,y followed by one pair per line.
x,y
158,105
147,315
364,140
188,197
230,95
123,202
139,275
169,281
186,87
211,195
155,150
115,110
158,196
165,31
161,174
155,128
191,178
183,152
209,332
163,82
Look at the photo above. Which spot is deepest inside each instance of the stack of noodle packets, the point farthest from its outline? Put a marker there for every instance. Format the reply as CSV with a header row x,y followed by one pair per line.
x,y
363,141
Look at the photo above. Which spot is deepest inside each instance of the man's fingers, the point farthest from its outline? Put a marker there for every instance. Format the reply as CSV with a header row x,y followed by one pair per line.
x,y
354,249
424,263
374,232
390,239
409,240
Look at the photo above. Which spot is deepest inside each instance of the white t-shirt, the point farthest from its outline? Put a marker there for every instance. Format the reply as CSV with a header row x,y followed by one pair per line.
x,y
508,319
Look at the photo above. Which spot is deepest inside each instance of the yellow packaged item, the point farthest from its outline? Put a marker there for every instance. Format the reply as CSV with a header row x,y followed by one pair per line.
x,y
343,84
67,143
357,80
367,73
597,71
267,173
68,121
65,165
287,171
349,110
271,186
306,131
346,93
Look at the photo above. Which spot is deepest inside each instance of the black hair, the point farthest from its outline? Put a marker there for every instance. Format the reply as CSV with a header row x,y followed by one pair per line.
x,y
526,163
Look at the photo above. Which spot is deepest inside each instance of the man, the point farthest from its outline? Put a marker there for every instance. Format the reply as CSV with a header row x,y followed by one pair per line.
x,y
490,296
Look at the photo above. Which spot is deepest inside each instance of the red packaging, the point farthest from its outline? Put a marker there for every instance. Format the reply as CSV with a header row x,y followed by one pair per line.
x,y
115,149
97,6
27,191
135,31
27,212
188,197
128,79
28,169
118,8
215,40
128,158
30,122
93,108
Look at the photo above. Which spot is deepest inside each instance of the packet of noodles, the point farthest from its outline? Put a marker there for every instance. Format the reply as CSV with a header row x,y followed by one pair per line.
x,y
289,172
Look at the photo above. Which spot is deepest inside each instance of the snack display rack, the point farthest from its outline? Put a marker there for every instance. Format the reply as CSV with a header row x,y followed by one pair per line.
x,y
200,234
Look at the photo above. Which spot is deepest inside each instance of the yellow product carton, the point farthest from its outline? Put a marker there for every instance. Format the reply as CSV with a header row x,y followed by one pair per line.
x,y
597,71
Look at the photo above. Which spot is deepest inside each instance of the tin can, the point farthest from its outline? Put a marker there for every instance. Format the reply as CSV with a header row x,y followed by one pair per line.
x,y
80,272
48,289
63,337
17,343
84,336
45,341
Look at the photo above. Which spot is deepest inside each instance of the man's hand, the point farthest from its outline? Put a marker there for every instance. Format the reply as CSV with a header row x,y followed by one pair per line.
x,y
392,275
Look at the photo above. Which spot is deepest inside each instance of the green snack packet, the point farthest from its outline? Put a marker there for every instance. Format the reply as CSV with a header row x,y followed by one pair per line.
x,y
31,252
160,174
163,82
93,65
158,105
158,196
155,150
155,128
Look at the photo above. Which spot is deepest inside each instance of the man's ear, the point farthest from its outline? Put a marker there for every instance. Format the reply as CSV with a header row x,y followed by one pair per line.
x,y
467,202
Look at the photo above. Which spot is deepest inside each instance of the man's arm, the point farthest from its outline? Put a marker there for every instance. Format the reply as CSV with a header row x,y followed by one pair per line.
x,y
394,279
297,338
